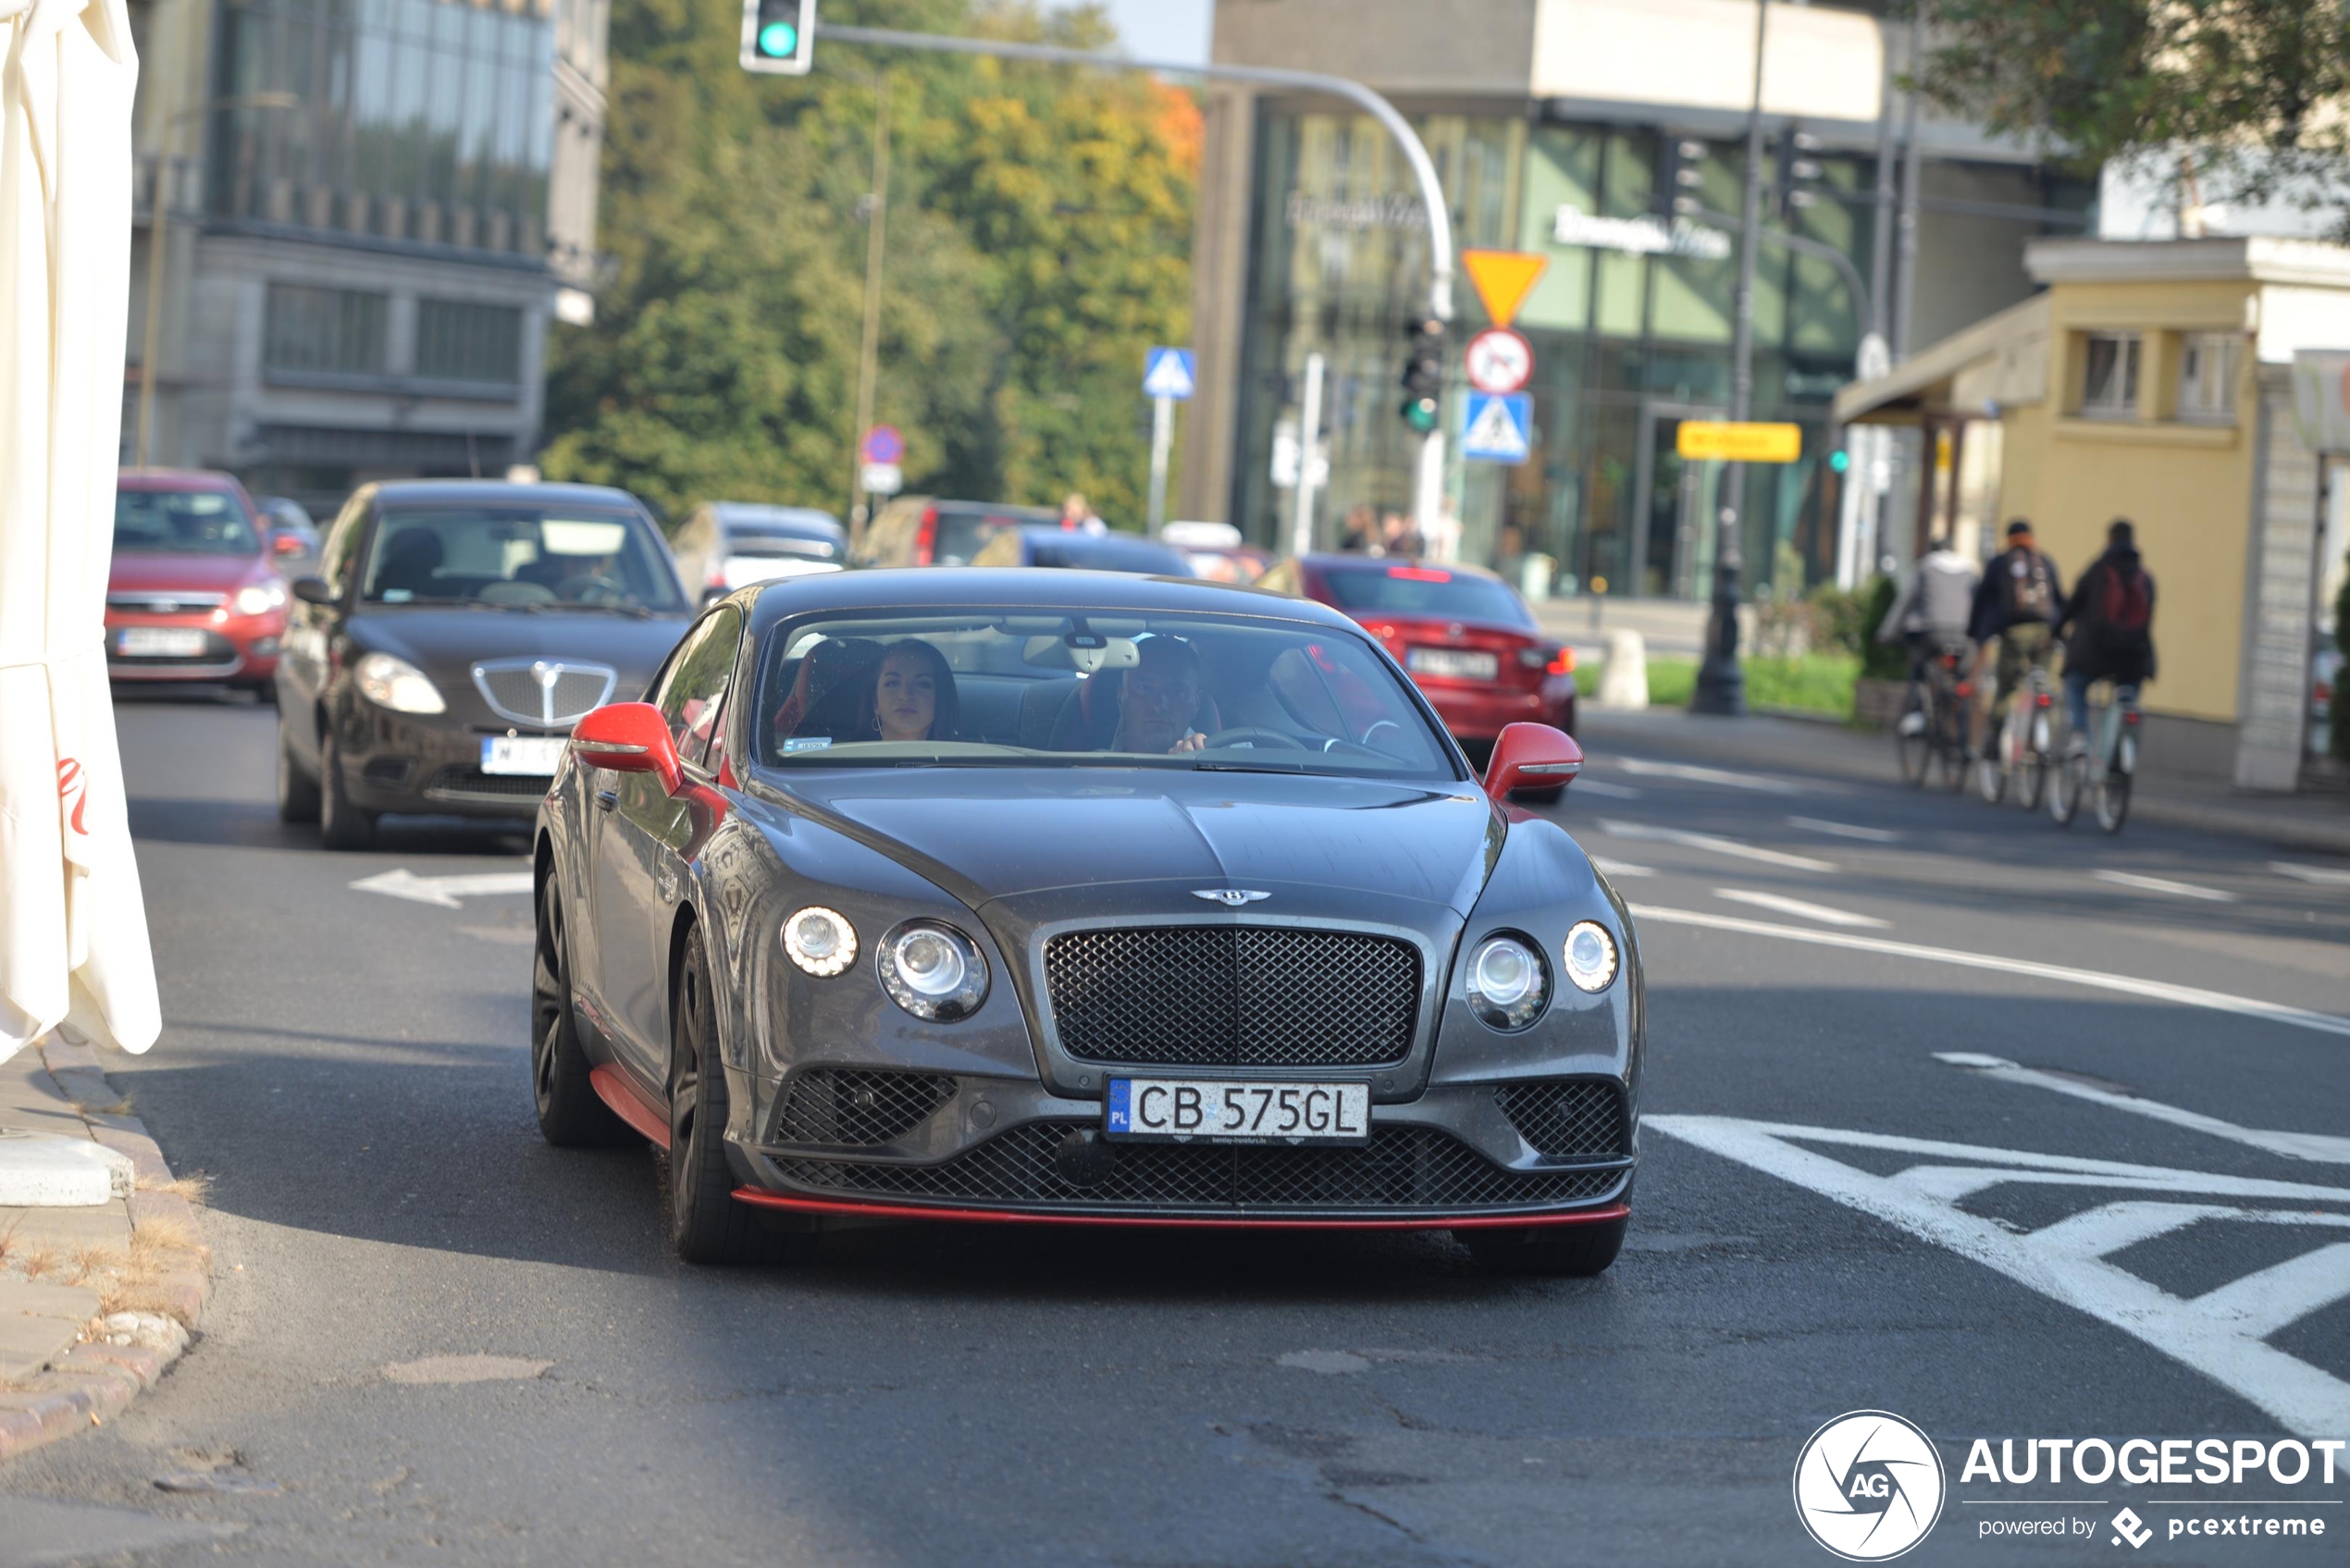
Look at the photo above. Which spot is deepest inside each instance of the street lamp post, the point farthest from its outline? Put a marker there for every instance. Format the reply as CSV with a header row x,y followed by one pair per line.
x,y
159,252
869,350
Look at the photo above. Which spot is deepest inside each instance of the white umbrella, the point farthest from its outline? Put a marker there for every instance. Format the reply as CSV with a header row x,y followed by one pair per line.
x,y
73,929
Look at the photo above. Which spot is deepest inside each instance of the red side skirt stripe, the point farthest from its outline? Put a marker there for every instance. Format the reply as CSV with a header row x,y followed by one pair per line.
x,y
1014,1216
630,1104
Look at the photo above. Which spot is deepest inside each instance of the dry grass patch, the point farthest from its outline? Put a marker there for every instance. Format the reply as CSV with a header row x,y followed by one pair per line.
x,y
37,1260
195,1188
120,1107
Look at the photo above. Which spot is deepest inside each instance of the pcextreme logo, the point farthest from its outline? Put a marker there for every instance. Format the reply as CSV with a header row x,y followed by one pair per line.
x,y
1869,1485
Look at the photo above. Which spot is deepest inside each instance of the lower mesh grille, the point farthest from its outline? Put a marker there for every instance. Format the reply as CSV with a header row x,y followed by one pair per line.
x,y
841,1106
1401,1168
472,783
1568,1118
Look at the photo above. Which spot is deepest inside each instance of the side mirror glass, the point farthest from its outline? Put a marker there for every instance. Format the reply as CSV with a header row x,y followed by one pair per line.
x,y
313,590
1531,756
628,737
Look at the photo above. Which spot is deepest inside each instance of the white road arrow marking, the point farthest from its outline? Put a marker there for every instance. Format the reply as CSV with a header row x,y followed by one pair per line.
x,y
1845,830
2164,884
2220,1335
1587,785
1710,841
2321,1146
2155,990
2321,876
1797,907
443,892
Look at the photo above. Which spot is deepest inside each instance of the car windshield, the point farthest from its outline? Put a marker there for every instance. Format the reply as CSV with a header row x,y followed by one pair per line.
x,y
1053,688
185,522
1424,591
519,557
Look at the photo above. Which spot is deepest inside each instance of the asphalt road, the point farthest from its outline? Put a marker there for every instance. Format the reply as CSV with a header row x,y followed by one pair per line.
x,y
2119,1235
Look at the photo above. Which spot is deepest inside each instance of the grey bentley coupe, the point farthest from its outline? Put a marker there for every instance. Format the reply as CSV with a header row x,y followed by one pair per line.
x,y
1072,897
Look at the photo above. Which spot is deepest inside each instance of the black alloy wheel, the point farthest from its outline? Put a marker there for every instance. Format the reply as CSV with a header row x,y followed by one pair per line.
x,y
341,825
297,791
706,1224
1571,1251
571,1115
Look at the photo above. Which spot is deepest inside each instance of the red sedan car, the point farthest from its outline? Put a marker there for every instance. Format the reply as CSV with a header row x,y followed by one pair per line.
x,y
1464,635
193,594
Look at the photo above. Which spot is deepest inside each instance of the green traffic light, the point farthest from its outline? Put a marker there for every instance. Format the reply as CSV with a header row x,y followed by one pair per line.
x,y
1421,413
1840,460
778,39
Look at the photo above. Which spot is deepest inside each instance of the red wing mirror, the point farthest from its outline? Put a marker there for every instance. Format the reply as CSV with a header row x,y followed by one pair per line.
x,y
286,544
628,737
1531,756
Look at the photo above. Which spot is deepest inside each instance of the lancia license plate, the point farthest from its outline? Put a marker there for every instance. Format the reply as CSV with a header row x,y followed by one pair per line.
x,y
1460,665
537,755
159,642
1201,1110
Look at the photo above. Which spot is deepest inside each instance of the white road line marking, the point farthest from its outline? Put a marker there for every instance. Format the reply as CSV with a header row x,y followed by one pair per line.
x,y
1585,784
2322,876
2323,1147
2164,884
1845,830
1760,783
2101,1232
1820,912
2156,990
2215,1339
443,892
1743,851
1620,868
2280,1296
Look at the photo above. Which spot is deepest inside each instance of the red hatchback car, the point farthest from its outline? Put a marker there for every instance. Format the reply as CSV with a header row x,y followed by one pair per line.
x,y
1464,635
193,593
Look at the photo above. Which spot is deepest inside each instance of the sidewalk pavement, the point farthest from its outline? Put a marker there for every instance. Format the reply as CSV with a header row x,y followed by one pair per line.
x,y
97,1300
1825,748
1673,628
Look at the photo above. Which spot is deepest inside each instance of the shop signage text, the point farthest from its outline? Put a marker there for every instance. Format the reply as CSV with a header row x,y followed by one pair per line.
x,y
1723,440
1644,236
1362,212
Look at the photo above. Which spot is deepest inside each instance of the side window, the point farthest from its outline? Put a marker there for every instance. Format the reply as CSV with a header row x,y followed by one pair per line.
x,y
694,689
342,544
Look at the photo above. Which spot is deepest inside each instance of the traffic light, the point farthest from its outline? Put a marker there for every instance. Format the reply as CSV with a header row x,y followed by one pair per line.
x,y
1679,177
779,36
1424,374
1840,460
1799,173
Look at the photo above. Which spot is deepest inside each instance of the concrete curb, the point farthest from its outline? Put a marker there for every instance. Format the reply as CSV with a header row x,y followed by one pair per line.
x,y
97,1378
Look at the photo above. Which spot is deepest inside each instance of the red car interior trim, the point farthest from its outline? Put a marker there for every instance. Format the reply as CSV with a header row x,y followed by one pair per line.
x,y
1204,1222
630,1104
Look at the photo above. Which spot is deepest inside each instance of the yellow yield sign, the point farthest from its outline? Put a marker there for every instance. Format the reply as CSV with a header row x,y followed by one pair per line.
x,y
1746,442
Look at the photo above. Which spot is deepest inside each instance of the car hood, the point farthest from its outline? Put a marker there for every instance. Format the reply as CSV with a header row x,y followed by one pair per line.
x,y
445,643
157,570
996,833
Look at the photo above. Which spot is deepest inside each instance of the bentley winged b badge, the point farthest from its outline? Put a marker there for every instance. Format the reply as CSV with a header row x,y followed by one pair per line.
x,y
1231,897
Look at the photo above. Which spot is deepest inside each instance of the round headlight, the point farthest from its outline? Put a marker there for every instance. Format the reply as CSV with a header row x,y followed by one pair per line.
x,y
256,598
393,683
820,939
1506,985
1591,956
932,971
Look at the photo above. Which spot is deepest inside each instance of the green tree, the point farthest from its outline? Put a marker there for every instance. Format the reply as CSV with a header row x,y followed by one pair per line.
x,y
2251,91
1038,234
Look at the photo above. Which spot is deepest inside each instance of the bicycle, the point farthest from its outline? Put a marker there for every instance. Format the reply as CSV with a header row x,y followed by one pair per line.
x,y
2106,766
2024,750
1933,720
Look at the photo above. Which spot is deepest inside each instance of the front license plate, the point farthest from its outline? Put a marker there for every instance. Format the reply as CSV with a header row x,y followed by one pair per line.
x,y
1458,663
159,642
1203,1110
521,754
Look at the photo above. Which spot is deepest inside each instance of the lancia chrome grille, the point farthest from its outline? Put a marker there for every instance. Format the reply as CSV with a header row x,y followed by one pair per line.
x,y
1233,995
545,692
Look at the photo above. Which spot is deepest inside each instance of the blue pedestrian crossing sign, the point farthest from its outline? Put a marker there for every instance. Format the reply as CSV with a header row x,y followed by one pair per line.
x,y
1498,428
1166,373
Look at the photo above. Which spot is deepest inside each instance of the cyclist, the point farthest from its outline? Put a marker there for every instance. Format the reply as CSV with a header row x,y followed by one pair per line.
x,y
2019,601
1936,607
2111,617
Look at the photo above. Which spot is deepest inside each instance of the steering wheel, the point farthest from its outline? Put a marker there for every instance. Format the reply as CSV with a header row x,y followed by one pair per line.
x,y
1252,735
1378,725
591,589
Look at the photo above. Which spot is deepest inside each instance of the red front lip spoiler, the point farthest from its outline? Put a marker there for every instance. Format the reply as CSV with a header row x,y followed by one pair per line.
x,y
1019,1217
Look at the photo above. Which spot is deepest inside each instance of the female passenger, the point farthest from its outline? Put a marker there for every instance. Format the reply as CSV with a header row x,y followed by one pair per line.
x,y
911,695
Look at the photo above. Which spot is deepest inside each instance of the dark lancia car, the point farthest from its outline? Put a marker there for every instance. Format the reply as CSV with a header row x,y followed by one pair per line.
x,y
456,631
1074,897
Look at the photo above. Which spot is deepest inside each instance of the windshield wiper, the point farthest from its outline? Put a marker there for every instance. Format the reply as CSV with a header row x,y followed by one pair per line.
x,y
1249,768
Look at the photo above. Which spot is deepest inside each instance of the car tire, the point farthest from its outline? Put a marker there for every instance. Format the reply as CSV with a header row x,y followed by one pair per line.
x,y
297,791
1574,1252
706,1224
571,1114
341,825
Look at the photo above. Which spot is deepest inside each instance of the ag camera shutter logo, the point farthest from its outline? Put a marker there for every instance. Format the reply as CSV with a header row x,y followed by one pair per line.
x,y
1869,1485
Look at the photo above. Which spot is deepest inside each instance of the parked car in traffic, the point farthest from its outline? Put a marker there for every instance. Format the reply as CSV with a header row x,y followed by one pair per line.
x,y
1218,551
192,594
455,632
293,537
1463,633
927,530
725,545
1056,546
1238,939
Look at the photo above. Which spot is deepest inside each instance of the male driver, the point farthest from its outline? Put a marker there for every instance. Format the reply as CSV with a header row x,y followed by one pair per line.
x,y
2020,601
1159,698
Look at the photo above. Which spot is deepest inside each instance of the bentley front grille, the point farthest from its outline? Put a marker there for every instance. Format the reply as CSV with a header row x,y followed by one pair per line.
x,y
544,692
1272,996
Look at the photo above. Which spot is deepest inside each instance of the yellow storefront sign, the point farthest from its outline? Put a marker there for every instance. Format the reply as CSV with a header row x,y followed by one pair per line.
x,y
1750,442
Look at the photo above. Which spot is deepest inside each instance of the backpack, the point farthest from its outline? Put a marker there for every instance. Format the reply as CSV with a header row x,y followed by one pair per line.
x,y
2125,608
2031,590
